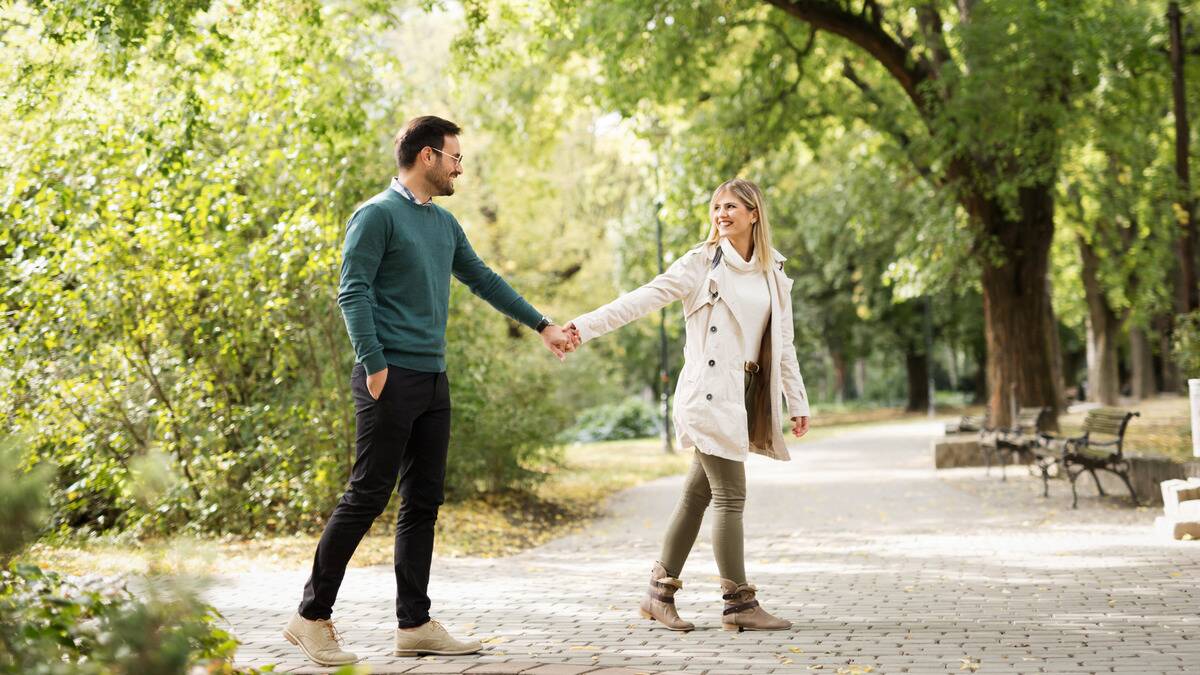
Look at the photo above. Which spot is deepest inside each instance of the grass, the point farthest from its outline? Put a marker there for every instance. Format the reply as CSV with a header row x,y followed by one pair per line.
x,y
571,494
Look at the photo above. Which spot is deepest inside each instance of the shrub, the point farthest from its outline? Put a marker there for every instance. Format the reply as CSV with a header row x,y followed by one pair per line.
x,y
49,625
1186,344
506,413
632,418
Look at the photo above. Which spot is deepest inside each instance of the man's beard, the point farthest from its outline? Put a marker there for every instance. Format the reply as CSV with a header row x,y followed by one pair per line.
x,y
444,185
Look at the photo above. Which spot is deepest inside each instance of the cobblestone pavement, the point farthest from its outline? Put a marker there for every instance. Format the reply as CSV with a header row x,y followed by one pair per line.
x,y
884,564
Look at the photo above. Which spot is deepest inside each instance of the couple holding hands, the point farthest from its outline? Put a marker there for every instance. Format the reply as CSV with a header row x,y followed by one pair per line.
x,y
399,254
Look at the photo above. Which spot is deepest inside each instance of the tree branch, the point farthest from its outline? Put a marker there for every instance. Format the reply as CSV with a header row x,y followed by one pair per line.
x,y
887,124
935,40
965,8
869,35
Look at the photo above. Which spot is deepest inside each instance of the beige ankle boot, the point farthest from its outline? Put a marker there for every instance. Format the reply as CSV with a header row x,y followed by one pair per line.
x,y
742,611
319,641
659,602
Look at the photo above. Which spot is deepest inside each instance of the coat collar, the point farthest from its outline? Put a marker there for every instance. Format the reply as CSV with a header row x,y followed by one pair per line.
x,y
716,275
710,250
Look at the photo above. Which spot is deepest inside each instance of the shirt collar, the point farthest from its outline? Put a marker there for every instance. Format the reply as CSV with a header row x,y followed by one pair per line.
x,y
403,190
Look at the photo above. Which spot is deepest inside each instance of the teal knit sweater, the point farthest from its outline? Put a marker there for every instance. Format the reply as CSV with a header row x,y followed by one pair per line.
x,y
395,283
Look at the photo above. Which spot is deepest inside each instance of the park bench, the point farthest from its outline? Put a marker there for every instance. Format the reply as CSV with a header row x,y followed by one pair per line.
x,y
970,423
1018,440
1100,447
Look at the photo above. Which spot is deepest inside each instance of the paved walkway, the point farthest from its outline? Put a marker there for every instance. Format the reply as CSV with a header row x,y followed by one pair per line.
x,y
884,565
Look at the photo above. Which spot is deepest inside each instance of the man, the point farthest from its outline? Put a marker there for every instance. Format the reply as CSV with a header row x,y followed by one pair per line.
x,y
400,252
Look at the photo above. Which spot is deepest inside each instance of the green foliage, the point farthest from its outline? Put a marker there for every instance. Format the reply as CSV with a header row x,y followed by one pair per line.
x,y
1186,344
635,417
22,501
504,403
171,236
52,625
49,625
170,244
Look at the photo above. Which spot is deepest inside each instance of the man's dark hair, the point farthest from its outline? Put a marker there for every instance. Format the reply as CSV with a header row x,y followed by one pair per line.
x,y
419,133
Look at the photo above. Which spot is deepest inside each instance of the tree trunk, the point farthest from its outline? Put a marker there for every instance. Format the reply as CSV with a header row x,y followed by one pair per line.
x,y
917,364
1185,208
860,377
1141,364
952,370
981,386
1104,327
1168,377
840,375
1021,336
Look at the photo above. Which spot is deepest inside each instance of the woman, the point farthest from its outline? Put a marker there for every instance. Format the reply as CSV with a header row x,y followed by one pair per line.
x,y
739,358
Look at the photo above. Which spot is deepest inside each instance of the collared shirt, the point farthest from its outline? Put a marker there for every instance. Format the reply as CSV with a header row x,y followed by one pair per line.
x,y
408,194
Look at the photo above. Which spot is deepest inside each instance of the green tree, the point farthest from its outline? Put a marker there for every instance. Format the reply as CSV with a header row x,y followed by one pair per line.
x,y
973,95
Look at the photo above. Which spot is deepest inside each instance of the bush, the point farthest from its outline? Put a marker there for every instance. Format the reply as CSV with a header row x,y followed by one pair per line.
x,y
170,240
506,414
1186,344
52,626
49,625
632,418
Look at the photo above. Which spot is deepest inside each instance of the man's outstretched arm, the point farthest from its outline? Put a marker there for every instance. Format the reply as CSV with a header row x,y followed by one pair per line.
x,y
472,271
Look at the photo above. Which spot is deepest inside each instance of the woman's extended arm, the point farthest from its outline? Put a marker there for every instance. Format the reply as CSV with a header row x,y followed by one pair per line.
x,y
680,279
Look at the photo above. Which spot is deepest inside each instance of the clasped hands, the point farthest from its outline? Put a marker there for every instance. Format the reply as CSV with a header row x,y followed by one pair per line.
x,y
561,340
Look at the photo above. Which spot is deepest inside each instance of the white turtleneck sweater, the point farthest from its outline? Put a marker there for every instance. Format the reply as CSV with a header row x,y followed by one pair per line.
x,y
752,295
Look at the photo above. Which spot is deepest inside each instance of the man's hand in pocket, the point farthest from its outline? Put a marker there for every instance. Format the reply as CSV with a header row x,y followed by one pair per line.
x,y
375,382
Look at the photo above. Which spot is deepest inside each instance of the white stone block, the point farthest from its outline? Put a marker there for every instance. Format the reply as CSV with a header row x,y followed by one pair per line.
x,y
1169,528
1175,492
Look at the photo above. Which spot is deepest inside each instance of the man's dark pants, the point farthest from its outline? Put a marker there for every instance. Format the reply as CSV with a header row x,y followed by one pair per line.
x,y
405,434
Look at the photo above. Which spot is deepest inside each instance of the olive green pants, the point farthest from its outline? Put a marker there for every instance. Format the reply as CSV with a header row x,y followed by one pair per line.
x,y
723,483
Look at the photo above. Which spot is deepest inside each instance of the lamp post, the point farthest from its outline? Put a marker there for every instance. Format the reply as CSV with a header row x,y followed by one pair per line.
x,y
664,377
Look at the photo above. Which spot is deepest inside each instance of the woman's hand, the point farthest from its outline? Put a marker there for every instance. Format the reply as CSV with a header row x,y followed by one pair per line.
x,y
558,341
799,426
573,333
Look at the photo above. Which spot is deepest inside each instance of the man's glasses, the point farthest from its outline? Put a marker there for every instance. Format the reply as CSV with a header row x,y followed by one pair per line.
x,y
458,159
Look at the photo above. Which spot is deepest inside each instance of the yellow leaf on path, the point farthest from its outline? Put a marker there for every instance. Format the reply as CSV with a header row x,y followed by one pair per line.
x,y
795,650
584,648
494,640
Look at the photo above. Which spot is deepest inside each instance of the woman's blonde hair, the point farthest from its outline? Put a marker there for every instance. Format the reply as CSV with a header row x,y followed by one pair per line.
x,y
750,196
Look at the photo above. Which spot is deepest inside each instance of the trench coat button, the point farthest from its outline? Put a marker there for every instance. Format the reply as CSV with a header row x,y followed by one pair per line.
x,y
713,329
711,362
708,397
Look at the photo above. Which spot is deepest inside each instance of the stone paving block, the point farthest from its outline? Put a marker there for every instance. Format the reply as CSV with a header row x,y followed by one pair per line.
x,y
559,669
441,668
962,566
511,668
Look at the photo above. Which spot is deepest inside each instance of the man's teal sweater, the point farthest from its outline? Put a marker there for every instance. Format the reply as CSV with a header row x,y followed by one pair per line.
x,y
395,285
